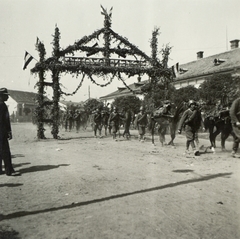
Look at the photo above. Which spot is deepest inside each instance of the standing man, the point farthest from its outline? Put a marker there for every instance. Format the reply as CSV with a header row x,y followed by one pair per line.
x,y
77,118
141,122
127,123
114,122
189,121
97,120
5,134
235,120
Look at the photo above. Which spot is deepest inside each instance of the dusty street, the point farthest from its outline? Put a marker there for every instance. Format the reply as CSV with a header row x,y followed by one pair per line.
x,y
86,187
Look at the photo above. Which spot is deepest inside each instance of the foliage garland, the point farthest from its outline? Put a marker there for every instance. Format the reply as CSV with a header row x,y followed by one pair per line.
x,y
56,86
55,65
123,81
39,111
74,92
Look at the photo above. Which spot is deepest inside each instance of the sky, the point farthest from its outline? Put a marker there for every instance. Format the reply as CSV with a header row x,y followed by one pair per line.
x,y
188,26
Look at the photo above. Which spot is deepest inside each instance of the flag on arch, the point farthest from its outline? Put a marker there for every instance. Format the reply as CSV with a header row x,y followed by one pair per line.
x,y
27,59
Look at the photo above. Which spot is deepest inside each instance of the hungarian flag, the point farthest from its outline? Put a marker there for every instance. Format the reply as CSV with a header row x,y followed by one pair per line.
x,y
27,59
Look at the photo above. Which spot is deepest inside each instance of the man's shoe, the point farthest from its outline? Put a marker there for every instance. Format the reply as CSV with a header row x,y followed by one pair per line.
x,y
196,153
235,155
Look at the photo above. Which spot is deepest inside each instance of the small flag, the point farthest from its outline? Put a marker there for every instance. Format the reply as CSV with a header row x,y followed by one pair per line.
x,y
37,42
175,69
27,59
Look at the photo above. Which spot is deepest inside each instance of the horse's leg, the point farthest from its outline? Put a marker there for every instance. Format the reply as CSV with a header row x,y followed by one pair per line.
x,y
162,132
152,131
211,136
172,133
215,134
227,130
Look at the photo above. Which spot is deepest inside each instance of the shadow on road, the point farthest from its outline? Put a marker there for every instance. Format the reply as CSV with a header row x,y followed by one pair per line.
x,y
183,171
10,185
40,168
15,165
8,233
80,204
17,155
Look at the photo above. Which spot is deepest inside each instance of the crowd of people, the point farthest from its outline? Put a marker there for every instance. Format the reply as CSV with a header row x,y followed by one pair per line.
x,y
191,121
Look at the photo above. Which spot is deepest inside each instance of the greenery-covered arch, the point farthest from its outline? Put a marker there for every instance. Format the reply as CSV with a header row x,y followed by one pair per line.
x,y
131,61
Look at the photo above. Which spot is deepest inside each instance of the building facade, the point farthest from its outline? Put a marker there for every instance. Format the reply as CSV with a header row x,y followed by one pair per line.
x,y
132,89
196,72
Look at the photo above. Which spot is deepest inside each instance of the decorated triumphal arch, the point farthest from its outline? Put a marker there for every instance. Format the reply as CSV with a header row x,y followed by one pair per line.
x,y
129,61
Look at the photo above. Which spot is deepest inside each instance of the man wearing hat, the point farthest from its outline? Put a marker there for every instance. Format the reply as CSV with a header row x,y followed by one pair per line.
x,y
188,122
5,134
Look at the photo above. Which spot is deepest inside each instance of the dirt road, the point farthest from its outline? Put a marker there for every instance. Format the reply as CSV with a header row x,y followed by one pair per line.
x,y
86,187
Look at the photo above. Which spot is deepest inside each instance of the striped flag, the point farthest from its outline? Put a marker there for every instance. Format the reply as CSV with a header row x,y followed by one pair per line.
x,y
175,69
27,59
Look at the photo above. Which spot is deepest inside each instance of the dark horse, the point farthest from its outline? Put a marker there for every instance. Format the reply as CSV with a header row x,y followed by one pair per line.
x,y
216,125
165,121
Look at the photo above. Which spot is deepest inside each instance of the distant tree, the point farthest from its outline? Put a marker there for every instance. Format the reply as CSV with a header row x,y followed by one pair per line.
x,y
92,105
131,103
217,87
185,94
161,91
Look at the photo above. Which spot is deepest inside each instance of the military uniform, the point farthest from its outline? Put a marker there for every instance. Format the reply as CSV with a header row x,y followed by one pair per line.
x,y
114,122
141,122
97,120
235,120
188,123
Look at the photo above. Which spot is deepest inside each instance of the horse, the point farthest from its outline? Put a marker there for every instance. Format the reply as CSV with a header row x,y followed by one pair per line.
x,y
165,121
216,125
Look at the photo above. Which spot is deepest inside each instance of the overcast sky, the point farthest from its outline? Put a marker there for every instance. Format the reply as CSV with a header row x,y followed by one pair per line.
x,y
188,26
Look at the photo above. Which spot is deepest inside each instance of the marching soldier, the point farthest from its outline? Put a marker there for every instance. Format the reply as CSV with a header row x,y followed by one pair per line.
x,y
141,122
97,120
114,122
189,122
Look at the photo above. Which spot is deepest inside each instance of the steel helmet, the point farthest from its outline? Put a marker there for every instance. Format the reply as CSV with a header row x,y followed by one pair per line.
x,y
192,102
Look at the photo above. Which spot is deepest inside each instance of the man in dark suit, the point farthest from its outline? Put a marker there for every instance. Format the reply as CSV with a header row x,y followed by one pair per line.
x,y
5,134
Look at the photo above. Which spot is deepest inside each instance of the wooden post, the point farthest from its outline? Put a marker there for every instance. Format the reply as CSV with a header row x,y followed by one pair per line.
x,y
56,88
39,109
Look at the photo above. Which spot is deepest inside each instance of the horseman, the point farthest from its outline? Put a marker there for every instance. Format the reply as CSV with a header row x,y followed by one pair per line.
x,y
190,122
97,121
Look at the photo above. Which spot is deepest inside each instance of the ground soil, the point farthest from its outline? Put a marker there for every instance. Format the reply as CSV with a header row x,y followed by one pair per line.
x,y
86,187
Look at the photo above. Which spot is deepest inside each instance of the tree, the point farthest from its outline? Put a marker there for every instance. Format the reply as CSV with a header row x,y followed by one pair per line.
x,y
185,94
159,93
92,105
217,87
131,103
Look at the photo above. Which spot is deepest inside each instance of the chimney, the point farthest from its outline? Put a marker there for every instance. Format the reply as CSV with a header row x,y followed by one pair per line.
x,y
234,44
200,55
